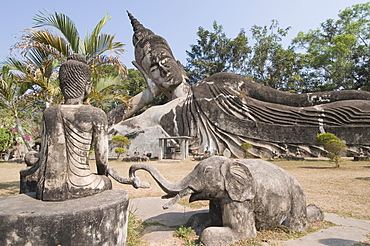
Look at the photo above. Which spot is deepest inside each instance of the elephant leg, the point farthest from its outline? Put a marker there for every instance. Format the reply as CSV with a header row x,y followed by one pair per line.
x,y
239,216
297,218
200,221
238,223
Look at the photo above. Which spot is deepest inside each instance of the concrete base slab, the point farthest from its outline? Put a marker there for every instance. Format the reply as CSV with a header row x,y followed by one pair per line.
x,y
95,220
333,236
348,232
149,209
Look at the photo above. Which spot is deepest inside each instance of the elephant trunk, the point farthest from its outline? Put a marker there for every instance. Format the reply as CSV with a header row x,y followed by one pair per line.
x,y
168,187
135,181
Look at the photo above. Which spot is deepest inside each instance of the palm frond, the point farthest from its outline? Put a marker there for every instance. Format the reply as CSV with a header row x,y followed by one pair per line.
x,y
105,82
50,68
14,64
61,22
5,85
45,63
10,88
117,48
110,60
37,57
99,45
99,27
46,40
30,74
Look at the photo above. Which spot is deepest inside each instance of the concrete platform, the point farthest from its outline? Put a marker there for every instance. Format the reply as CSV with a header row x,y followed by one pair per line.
x,y
348,232
95,220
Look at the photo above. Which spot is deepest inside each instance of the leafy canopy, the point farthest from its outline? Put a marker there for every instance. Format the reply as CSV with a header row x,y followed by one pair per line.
x,y
120,140
333,145
334,56
214,52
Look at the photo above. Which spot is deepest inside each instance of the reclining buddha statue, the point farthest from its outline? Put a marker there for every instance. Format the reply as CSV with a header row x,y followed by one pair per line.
x,y
225,110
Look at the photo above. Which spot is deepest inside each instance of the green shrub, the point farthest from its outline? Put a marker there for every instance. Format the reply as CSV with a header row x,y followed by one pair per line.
x,y
5,139
246,147
335,149
187,234
120,141
333,145
323,138
119,151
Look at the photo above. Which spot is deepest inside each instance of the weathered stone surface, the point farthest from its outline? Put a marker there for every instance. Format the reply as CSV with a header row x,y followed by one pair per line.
x,y
361,158
245,196
225,110
96,220
31,158
69,131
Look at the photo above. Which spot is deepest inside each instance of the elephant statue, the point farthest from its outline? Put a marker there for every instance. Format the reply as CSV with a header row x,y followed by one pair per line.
x,y
245,196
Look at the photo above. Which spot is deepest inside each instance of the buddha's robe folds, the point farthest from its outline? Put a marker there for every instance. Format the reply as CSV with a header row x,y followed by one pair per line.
x,y
68,133
225,110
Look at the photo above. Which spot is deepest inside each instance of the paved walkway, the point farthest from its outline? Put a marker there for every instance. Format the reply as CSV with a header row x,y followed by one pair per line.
x,y
164,222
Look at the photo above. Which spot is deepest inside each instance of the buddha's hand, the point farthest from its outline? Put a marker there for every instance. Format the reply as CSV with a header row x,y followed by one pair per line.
x,y
137,183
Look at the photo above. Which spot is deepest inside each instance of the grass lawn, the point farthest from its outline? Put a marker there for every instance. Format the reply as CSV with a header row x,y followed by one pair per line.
x,y
344,191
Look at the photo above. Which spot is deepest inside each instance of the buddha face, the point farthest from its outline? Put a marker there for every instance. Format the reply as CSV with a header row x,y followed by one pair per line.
x,y
162,68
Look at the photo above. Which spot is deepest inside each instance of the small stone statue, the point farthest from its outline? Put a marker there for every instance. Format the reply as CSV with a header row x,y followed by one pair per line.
x,y
70,131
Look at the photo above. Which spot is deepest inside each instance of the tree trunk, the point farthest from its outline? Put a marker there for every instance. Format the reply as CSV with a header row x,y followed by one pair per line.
x,y
21,132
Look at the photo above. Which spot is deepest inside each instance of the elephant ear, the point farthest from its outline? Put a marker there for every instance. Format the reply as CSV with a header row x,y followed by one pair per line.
x,y
239,182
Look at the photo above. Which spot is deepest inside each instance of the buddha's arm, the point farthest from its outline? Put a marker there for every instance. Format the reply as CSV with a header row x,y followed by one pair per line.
x,y
31,170
100,141
36,166
141,100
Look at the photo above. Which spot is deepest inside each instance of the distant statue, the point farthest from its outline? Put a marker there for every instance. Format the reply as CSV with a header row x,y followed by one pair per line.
x,y
225,110
70,132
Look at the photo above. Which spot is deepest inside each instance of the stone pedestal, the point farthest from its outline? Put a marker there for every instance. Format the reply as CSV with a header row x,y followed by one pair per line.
x,y
361,158
95,220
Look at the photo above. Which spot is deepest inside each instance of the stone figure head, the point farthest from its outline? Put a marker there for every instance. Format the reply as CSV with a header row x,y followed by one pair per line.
x,y
74,78
155,57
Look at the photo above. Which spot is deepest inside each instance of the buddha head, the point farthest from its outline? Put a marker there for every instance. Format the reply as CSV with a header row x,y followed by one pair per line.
x,y
74,78
155,57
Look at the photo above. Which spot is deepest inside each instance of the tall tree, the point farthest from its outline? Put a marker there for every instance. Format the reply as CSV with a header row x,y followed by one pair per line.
x,y
266,62
38,70
214,52
13,100
337,53
270,63
134,83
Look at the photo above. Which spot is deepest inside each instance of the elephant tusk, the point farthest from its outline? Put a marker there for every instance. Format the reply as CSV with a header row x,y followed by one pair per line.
x,y
179,195
168,196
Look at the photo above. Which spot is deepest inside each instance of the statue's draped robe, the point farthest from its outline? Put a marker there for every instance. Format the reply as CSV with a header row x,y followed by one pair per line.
x,y
64,168
226,110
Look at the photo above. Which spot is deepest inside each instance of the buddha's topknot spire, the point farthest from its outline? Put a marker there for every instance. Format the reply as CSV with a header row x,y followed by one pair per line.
x,y
139,30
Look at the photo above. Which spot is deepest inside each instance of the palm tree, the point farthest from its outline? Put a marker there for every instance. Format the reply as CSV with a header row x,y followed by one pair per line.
x,y
45,49
38,70
13,98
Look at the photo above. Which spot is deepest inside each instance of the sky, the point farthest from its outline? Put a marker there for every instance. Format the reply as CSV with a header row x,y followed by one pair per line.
x,y
175,20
